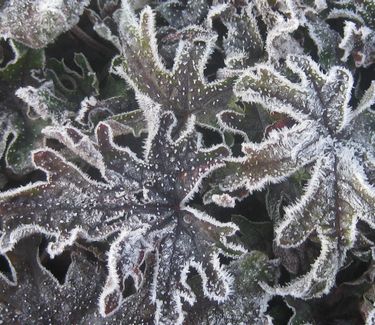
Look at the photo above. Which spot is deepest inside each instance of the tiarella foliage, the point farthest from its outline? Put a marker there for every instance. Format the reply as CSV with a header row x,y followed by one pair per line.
x,y
187,162
145,200
15,121
183,89
338,193
48,301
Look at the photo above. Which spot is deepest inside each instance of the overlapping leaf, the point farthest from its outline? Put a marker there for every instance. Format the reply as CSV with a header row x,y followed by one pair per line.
x,y
184,89
338,193
34,296
325,38
281,22
64,94
180,14
145,200
15,121
243,43
358,41
248,303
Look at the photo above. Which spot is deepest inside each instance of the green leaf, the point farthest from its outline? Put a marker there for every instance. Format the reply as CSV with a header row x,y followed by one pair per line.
x,y
69,83
24,61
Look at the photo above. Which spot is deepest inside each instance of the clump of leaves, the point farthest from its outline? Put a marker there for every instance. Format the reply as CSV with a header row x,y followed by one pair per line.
x,y
186,162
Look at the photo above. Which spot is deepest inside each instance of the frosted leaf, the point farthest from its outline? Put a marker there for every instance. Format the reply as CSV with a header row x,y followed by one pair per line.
x,y
24,60
36,23
266,86
133,121
183,240
180,14
248,301
358,43
281,22
37,296
325,38
361,12
45,103
68,95
183,89
270,161
52,103
71,84
13,74
356,295
166,225
143,199
61,90
338,194
8,122
314,27
59,207
249,122
243,44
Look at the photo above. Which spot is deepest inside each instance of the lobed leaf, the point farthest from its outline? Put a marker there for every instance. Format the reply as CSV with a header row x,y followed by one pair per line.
x,y
144,200
338,193
243,44
183,89
36,296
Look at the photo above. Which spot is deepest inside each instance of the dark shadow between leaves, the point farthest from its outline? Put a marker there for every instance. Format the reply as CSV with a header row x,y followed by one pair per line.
x,y
59,265
209,137
135,144
5,268
279,311
6,53
214,63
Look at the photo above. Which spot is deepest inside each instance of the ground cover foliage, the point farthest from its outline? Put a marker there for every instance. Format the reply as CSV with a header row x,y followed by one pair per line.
x,y
187,162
